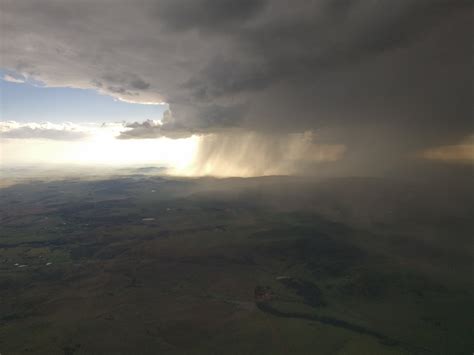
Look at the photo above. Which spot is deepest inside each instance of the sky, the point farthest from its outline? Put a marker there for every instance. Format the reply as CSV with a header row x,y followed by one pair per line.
x,y
25,102
237,88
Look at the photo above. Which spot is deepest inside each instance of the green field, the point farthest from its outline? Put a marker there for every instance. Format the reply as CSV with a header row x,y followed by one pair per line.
x,y
152,265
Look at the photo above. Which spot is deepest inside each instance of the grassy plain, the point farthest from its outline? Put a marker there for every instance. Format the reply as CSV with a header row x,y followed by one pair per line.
x,y
145,265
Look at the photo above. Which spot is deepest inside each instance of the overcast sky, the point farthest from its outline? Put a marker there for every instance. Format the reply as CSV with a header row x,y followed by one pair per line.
x,y
384,79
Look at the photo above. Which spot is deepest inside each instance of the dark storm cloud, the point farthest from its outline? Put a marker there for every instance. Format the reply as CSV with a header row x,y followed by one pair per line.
x,y
203,120
224,76
382,77
151,129
124,84
139,84
209,15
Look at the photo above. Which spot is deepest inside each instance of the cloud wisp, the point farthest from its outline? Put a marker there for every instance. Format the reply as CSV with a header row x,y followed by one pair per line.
x,y
463,152
13,79
46,130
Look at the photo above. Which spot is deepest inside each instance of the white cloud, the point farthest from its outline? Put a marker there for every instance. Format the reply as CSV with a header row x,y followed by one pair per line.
x,y
13,79
44,130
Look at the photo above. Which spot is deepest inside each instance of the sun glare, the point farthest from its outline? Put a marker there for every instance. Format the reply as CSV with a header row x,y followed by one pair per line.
x,y
103,148
106,149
